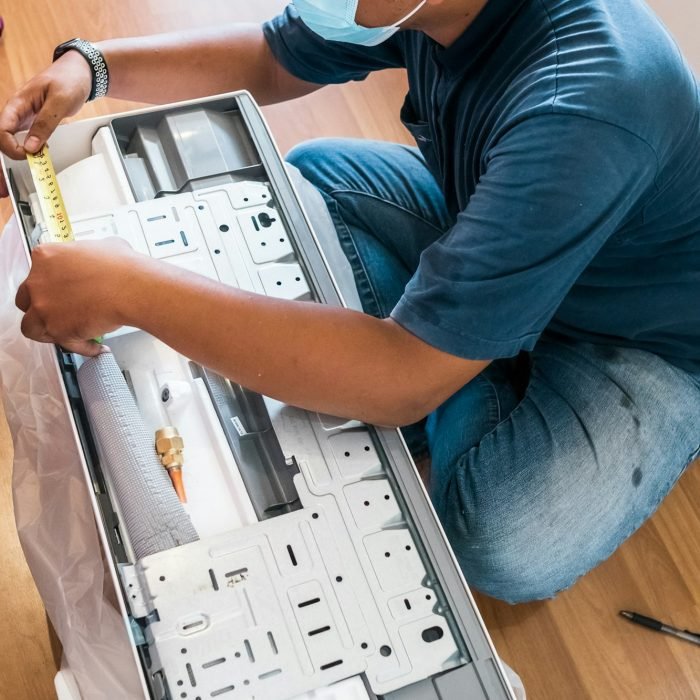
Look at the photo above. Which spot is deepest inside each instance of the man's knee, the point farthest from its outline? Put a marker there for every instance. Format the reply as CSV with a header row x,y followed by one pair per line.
x,y
507,575
506,555
318,161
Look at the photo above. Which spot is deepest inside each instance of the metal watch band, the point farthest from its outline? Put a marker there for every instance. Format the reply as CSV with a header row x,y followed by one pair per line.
x,y
96,61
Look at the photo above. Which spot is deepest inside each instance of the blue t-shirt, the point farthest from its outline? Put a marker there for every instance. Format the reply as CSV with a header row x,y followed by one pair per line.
x,y
566,137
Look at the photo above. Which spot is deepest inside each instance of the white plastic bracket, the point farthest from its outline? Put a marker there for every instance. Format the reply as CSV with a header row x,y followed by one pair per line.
x,y
135,596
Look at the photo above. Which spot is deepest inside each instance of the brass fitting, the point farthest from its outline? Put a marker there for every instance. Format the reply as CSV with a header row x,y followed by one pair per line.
x,y
170,446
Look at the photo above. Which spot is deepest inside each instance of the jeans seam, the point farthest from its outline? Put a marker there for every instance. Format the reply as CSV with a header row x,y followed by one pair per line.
x,y
349,240
494,416
461,461
494,403
693,456
517,407
422,219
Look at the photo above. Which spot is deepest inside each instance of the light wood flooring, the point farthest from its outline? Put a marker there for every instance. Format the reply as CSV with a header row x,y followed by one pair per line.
x,y
572,648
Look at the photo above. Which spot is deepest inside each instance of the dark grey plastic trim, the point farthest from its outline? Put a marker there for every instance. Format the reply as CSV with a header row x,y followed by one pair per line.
x,y
267,476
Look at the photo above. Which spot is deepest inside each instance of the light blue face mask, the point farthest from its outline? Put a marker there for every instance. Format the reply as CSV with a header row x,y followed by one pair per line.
x,y
334,20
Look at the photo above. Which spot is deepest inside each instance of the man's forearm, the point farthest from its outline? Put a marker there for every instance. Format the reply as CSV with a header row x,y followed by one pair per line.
x,y
326,359
186,65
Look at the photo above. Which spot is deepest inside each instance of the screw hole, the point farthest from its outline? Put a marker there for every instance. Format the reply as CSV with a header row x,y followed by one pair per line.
x,y
223,228
263,244
297,279
339,579
183,651
366,503
238,654
281,240
245,199
315,516
432,634
162,578
180,683
364,645
347,454
217,251
200,207
387,554
385,650
387,497
428,597
279,284
367,448
408,547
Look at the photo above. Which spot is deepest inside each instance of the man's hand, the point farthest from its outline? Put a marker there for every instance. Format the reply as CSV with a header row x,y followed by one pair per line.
x,y
40,105
72,292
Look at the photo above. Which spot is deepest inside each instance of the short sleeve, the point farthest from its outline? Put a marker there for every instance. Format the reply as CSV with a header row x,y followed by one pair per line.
x,y
555,188
309,57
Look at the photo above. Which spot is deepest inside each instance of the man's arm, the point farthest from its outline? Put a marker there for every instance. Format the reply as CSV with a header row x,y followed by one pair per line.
x,y
155,69
321,358
186,65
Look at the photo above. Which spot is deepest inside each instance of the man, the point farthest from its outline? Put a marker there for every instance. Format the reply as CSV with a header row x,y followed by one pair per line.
x,y
530,275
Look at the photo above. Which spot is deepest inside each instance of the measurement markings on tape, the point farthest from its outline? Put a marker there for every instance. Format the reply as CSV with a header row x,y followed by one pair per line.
x,y
52,205
50,198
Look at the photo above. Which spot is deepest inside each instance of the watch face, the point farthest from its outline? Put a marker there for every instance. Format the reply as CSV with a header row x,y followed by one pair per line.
x,y
65,46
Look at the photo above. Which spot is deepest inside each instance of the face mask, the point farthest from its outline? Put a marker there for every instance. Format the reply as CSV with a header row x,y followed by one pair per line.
x,y
334,20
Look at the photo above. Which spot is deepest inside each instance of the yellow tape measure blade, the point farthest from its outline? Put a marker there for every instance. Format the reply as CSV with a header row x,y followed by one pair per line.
x,y
50,198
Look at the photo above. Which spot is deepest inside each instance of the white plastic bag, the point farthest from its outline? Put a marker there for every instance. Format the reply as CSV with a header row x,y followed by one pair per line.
x,y
53,512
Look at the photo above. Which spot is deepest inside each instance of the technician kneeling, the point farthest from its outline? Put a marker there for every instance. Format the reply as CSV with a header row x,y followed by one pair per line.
x,y
530,273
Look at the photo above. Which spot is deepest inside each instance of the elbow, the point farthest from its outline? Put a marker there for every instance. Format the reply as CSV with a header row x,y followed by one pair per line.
x,y
411,378
411,415
401,413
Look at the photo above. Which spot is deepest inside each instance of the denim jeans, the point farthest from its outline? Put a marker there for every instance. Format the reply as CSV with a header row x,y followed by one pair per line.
x,y
541,466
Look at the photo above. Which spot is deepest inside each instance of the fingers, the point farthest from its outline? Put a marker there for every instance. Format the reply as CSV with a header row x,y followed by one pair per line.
x,y
50,105
33,328
22,298
86,348
13,118
45,123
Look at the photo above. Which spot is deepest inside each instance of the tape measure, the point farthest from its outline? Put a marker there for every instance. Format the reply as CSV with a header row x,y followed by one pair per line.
x,y
50,198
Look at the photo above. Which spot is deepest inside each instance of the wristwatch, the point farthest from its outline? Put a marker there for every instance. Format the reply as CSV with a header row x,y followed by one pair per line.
x,y
96,61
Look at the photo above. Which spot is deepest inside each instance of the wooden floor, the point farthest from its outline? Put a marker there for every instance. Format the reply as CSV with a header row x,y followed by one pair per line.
x,y
573,648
